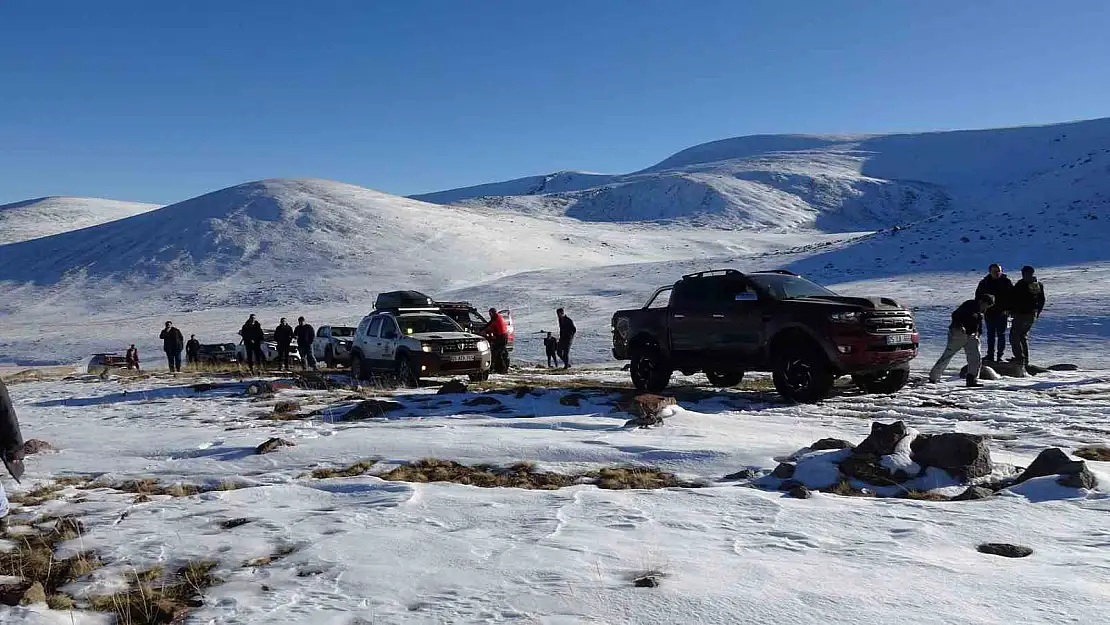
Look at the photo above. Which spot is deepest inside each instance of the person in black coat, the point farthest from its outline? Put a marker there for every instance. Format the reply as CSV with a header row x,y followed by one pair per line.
x,y
1026,303
11,443
566,336
192,350
551,346
999,285
305,335
283,336
963,333
172,343
252,342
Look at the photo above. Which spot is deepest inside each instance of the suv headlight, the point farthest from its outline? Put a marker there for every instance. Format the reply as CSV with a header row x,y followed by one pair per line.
x,y
426,348
483,346
845,317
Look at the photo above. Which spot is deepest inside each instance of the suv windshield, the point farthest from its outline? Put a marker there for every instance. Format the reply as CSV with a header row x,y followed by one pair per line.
x,y
426,323
782,286
338,331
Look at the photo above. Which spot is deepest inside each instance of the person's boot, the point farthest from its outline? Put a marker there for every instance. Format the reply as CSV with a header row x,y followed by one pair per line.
x,y
973,381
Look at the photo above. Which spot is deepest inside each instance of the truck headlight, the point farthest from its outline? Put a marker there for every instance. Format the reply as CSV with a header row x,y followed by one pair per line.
x,y
483,346
845,317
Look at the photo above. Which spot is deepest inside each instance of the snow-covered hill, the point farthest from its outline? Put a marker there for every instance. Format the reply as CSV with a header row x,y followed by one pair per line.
x,y
830,183
46,216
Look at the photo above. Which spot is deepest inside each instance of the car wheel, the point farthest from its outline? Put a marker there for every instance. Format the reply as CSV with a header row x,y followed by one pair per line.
x,y
329,358
802,374
359,371
724,379
649,370
883,383
407,373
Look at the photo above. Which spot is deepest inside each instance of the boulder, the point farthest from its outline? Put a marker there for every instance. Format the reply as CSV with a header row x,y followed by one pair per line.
x,y
1005,550
883,439
573,400
784,471
1082,479
1036,370
371,409
646,404
287,407
482,400
742,474
1009,369
962,455
645,421
986,372
799,492
454,387
21,592
789,485
273,445
1063,367
648,580
36,446
831,443
1052,461
974,492
256,389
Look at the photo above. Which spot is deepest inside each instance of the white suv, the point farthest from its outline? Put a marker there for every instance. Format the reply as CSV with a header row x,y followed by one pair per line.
x,y
332,344
417,342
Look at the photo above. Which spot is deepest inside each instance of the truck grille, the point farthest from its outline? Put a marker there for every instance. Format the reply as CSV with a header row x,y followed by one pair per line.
x,y
892,321
464,346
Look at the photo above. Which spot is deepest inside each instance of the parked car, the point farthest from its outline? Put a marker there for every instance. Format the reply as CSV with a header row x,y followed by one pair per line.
x,y
725,322
217,353
406,335
105,362
472,320
269,349
332,345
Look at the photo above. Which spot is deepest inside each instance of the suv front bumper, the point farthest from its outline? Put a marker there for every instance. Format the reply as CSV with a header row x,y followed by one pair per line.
x,y
432,364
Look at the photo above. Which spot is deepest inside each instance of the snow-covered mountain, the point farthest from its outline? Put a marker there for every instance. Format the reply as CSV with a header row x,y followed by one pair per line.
x,y
830,183
42,217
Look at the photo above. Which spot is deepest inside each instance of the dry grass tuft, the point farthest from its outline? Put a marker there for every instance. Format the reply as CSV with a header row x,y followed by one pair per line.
x,y
1101,454
844,488
32,557
524,475
356,469
924,495
145,488
279,553
636,477
154,598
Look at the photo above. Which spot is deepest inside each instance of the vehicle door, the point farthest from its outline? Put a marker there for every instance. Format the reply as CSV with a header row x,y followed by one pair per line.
x,y
320,343
737,320
388,342
688,316
371,344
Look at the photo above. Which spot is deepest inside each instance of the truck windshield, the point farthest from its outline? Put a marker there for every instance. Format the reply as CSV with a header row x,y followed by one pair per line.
x,y
341,331
422,324
782,286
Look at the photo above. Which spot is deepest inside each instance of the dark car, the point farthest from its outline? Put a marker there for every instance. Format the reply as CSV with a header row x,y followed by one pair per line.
x,y
216,353
724,323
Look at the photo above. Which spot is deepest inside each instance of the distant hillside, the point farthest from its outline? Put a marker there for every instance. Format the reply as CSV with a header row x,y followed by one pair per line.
x,y
827,183
42,217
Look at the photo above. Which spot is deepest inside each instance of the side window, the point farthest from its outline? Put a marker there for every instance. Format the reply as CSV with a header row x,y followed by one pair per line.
x,y
477,320
389,328
375,327
321,332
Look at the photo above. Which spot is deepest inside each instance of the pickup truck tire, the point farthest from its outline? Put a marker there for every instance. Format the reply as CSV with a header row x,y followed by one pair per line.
x,y
883,383
801,373
407,373
649,370
359,370
329,357
724,379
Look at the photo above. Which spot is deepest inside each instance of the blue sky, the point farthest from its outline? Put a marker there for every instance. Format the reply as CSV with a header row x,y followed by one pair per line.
x,y
158,101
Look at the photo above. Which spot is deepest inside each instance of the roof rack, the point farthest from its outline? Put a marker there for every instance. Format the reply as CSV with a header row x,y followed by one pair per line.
x,y
783,272
712,272
404,309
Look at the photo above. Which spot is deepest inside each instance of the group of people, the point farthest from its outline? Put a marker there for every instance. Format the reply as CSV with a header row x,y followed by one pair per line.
x,y
559,348
997,301
284,335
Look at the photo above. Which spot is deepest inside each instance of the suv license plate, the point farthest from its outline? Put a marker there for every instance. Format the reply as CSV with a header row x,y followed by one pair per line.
x,y
465,358
899,339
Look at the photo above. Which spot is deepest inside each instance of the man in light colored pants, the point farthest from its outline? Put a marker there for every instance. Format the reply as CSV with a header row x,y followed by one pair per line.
x,y
957,340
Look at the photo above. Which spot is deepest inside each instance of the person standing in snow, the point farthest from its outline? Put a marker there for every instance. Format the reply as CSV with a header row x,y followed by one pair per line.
x,y
11,444
172,344
999,285
963,333
283,336
1026,303
566,336
132,358
551,346
497,331
192,351
252,342
305,334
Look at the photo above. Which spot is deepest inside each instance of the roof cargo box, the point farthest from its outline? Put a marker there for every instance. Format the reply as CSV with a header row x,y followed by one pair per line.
x,y
403,299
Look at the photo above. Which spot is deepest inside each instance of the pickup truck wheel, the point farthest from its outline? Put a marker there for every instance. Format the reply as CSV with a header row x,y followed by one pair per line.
x,y
407,373
359,370
649,371
803,375
724,379
883,383
329,358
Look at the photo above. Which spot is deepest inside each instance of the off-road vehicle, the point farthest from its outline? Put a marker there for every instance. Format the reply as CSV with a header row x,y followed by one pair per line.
x,y
409,337
332,345
724,323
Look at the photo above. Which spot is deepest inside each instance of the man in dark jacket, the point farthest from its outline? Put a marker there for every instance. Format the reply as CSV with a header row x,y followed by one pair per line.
x,y
11,444
283,336
963,333
551,346
305,334
1026,303
252,342
997,284
192,350
172,343
566,336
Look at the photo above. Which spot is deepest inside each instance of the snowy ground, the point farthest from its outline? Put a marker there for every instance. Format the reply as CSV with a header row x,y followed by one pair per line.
x,y
393,552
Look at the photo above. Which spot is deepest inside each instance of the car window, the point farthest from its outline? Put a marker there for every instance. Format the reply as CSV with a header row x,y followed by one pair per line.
x,y
321,331
661,299
342,331
419,324
477,319
785,286
389,329
375,327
